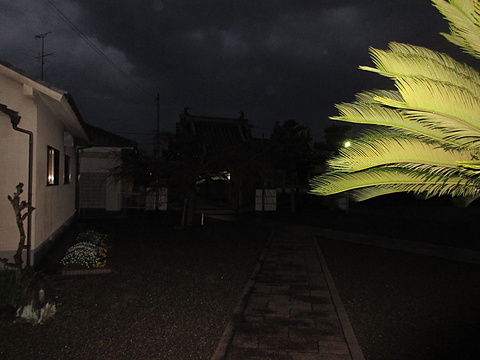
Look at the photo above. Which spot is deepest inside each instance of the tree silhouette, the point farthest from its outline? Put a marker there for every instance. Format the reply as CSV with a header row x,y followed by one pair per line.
x,y
292,145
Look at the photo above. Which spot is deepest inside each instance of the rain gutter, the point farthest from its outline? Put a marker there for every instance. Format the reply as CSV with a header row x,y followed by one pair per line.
x,y
77,178
15,120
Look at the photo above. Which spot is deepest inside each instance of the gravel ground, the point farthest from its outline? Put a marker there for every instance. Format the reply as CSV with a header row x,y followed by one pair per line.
x,y
172,292
170,295
406,306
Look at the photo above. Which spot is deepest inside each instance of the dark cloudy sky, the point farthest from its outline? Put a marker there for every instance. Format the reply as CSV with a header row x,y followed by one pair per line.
x,y
273,59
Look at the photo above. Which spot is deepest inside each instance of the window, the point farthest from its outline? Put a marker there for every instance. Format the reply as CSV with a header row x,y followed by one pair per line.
x,y
53,162
67,174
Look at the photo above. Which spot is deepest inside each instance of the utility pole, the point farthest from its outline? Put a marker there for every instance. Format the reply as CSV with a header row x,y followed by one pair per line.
x,y
157,156
42,55
157,98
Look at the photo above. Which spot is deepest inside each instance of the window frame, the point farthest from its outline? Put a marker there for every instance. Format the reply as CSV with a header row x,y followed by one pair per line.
x,y
67,169
53,166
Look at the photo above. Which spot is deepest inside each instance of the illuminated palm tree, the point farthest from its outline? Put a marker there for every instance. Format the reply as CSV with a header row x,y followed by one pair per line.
x,y
425,137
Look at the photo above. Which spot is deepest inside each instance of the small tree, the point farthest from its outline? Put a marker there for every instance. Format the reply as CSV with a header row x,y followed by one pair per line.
x,y
32,294
22,210
426,135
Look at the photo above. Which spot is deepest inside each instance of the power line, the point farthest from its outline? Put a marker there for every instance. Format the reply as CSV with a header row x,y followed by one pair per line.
x,y
95,48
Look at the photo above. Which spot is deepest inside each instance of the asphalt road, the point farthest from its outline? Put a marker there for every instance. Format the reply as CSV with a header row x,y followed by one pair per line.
x,y
404,306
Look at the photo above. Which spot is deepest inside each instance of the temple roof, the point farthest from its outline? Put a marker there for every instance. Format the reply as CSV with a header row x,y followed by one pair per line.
x,y
213,134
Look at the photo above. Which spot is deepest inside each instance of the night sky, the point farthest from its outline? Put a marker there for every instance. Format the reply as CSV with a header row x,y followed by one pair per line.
x,y
275,60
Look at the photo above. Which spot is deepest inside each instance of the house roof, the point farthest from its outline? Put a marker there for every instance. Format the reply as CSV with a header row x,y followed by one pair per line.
x,y
58,101
102,138
214,134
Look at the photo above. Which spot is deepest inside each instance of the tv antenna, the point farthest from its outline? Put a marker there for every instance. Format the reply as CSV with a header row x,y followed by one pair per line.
x,y
42,55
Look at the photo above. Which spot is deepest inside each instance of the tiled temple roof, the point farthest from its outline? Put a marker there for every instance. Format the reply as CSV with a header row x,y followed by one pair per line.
x,y
212,134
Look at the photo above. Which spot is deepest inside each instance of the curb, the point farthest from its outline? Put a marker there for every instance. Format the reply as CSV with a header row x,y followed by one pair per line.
x,y
226,339
352,343
94,271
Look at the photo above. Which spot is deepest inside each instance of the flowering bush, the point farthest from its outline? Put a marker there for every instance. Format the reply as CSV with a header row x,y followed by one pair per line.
x,y
89,252
92,236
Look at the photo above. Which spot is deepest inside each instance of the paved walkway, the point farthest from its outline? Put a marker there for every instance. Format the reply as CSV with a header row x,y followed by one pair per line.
x,y
290,309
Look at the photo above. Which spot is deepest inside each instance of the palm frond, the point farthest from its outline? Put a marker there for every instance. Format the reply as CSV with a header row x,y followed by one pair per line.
x,y
403,60
470,164
436,57
464,19
367,184
406,152
427,136
368,97
464,201
453,130
438,97
376,114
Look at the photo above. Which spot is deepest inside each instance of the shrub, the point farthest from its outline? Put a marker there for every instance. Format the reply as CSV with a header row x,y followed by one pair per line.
x,y
90,251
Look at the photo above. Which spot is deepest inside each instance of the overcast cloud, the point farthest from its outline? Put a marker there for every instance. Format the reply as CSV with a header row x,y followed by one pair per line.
x,y
274,59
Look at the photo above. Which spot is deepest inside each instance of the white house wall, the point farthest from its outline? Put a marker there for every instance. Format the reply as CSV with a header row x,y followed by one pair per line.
x,y
55,203
48,117
13,160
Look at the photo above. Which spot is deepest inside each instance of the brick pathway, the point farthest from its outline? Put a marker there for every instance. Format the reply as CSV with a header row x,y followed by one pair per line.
x,y
290,309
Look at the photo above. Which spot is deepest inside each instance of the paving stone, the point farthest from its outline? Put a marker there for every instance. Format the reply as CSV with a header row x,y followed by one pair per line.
x,y
299,281
301,293
271,267
258,311
311,287
283,321
244,341
278,311
279,298
258,354
267,279
321,283
325,293
290,274
324,307
257,328
333,347
274,342
291,279
327,324
258,299
251,319
290,305
292,267
281,289
262,289
317,334
304,356
316,315
312,299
